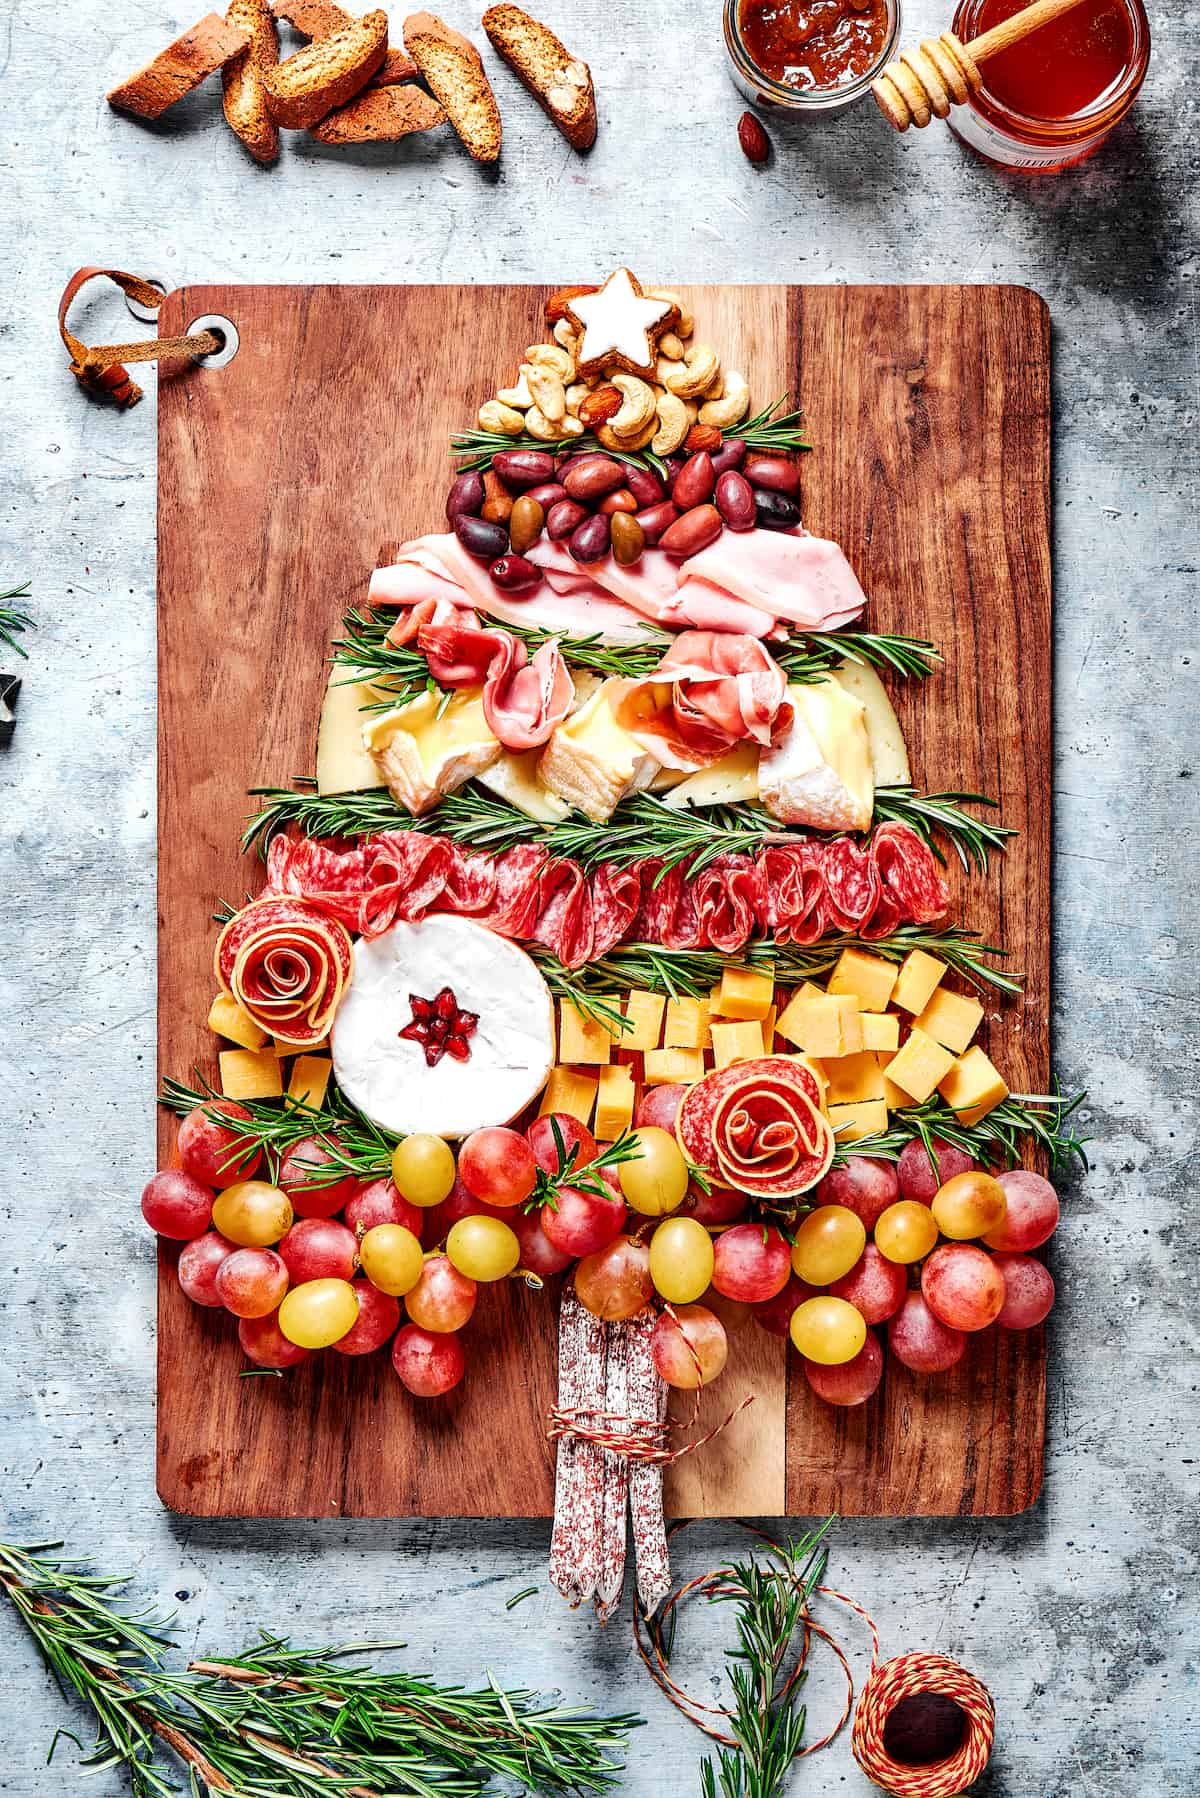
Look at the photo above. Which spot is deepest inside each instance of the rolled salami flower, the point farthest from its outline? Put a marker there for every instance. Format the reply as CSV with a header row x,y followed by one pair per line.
x,y
287,964
758,1126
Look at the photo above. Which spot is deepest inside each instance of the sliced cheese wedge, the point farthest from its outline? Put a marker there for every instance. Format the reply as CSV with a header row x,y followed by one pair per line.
x,y
889,753
820,775
732,779
426,749
343,764
592,762
515,778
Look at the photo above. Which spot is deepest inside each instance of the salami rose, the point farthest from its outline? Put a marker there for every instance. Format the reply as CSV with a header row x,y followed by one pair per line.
x,y
287,964
758,1127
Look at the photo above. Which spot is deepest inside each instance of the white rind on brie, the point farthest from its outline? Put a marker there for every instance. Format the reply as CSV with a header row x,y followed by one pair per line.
x,y
820,775
592,762
512,1050
428,748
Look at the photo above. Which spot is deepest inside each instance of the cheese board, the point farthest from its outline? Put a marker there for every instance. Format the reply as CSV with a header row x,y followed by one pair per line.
x,y
286,477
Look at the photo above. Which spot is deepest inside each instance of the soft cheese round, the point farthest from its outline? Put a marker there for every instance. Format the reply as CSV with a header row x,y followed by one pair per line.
x,y
512,1050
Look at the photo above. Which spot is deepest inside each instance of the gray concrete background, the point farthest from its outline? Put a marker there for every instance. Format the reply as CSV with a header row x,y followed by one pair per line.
x,y
1080,1616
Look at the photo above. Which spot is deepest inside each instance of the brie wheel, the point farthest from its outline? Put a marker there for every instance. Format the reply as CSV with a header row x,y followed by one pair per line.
x,y
512,1050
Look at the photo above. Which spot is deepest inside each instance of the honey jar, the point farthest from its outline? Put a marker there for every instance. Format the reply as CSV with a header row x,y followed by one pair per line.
x,y
1052,99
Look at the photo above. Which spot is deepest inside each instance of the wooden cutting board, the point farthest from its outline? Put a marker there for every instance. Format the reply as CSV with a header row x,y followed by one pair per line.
x,y
281,476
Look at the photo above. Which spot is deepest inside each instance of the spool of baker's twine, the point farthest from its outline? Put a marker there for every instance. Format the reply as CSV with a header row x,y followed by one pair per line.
x,y
905,1677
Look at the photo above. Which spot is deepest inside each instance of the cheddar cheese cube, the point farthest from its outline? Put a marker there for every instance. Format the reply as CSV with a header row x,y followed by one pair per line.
x,y
309,1080
868,977
881,1030
664,1067
768,1030
582,1040
851,1018
919,1065
854,1078
852,1122
813,1024
972,1087
951,1019
745,993
739,1040
250,1074
232,1021
646,1012
686,1025
815,1069
570,1092
614,1103
919,975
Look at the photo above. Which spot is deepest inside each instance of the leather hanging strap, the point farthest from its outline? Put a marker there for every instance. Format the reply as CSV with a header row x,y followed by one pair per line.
x,y
101,369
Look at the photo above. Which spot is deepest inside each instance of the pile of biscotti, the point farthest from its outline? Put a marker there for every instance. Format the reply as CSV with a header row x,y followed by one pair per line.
x,y
349,85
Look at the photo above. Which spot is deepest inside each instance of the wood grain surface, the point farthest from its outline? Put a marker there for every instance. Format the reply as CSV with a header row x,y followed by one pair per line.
x,y
280,478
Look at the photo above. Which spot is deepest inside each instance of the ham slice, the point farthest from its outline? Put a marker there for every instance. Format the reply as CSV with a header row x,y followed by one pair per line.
x,y
652,589
806,580
711,690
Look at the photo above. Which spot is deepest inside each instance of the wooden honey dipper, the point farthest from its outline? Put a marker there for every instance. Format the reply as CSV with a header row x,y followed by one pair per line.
x,y
944,70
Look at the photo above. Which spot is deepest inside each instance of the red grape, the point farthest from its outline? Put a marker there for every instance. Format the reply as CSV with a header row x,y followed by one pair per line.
x,y
1028,1292
875,1286
264,1342
541,1139
689,1347
921,1340
252,1282
379,1203
851,1383
718,1206
198,1264
443,1299
865,1186
538,1254
296,1174
316,1248
658,1108
209,1151
751,1263
1032,1215
498,1166
775,1315
614,1283
377,1318
963,1286
461,1202
176,1205
915,1174
583,1222
428,1365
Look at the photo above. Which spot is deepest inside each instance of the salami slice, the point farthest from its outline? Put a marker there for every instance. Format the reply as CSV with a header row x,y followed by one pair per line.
x,y
287,964
758,1127
312,868
909,874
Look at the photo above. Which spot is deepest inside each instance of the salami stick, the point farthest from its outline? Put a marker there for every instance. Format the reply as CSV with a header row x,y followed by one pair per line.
x,y
575,1541
614,1526
647,1398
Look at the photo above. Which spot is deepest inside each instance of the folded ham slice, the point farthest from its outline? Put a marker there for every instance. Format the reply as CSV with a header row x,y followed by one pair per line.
x,y
651,589
805,580
711,690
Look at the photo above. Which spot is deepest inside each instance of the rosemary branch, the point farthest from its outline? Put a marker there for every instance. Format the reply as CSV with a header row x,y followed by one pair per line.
x,y
996,1138
283,1722
13,621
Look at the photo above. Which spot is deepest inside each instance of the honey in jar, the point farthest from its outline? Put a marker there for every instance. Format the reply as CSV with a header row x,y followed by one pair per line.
x,y
1051,99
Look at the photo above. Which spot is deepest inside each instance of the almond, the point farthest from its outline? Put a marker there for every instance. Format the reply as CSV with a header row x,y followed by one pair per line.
x,y
599,406
756,145
702,437
556,305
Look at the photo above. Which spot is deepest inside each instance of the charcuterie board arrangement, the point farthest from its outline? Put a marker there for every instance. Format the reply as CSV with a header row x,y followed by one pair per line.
x,y
610,956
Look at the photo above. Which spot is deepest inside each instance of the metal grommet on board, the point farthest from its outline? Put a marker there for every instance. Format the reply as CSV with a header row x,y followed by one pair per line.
x,y
226,330
146,315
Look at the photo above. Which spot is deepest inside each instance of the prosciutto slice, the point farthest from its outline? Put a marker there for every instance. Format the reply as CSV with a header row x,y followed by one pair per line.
x,y
523,701
711,690
792,575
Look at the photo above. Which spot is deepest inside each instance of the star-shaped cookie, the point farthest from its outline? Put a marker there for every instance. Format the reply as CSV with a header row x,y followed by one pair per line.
x,y
621,326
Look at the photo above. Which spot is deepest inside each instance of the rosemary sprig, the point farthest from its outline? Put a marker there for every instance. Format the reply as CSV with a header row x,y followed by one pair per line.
x,y
356,1146
13,621
997,1138
809,654
772,429
283,1722
767,1719
940,814
400,672
588,1178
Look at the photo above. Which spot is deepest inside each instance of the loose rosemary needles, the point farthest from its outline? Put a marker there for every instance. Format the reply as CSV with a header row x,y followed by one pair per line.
x,y
283,1722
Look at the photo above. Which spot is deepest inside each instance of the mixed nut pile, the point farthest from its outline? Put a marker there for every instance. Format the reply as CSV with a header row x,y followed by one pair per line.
x,y
598,505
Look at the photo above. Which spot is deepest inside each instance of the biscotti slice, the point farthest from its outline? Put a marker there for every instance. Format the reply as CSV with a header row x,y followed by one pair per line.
x,y
560,82
327,73
242,79
313,18
452,66
179,68
396,67
380,115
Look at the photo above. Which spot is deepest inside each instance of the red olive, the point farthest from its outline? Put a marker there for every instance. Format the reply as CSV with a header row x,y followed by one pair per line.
x,y
564,518
735,500
692,532
548,494
645,486
694,482
656,519
729,455
479,538
466,495
590,541
522,469
779,474
591,480
512,571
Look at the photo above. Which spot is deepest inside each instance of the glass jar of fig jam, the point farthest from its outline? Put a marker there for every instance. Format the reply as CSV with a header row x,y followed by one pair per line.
x,y
809,57
1053,98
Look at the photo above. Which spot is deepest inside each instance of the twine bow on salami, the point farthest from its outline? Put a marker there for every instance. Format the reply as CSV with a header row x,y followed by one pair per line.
x,y
101,369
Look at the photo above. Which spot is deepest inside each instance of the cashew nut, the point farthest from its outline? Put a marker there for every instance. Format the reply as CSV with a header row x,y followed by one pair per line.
x,y
496,416
687,323
695,374
672,424
545,384
732,407
568,337
670,346
663,367
571,427
637,410
608,437
552,356
519,395
541,427
576,394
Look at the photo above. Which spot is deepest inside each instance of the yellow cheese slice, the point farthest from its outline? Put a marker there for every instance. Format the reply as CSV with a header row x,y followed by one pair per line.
x,y
728,782
889,754
344,765
592,762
